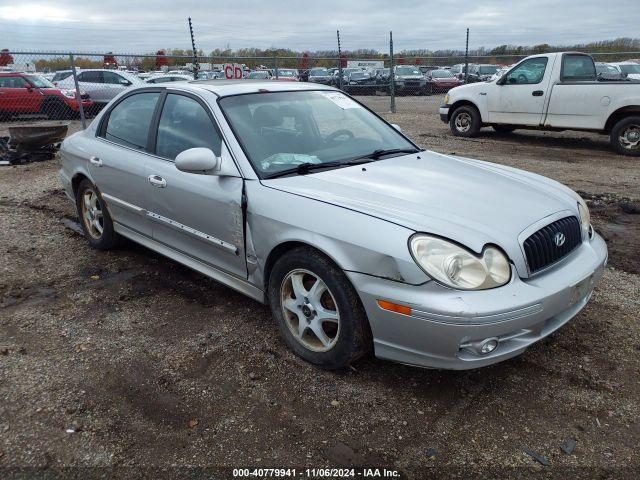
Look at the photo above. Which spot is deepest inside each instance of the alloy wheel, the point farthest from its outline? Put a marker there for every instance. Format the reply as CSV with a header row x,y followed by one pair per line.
x,y
92,214
310,310
463,122
630,137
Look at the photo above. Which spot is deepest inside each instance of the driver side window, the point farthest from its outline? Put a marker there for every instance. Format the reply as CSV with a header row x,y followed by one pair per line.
x,y
529,72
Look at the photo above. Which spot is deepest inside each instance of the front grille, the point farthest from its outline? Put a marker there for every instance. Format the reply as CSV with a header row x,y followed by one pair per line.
x,y
541,249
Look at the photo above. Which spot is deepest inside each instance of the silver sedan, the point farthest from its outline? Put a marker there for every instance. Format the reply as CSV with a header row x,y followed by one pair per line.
x,y
300,197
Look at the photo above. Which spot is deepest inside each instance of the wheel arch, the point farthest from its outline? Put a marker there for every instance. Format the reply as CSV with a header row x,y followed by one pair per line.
x,y
462,103
75,182
619,114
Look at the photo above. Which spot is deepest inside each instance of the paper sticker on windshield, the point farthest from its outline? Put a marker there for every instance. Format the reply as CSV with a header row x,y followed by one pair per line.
x,y
341,100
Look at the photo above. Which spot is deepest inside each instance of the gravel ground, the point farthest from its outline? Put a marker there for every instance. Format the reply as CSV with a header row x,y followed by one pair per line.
x,y
127,363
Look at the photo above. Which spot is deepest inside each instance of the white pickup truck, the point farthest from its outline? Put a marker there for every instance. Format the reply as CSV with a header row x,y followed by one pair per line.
x,y
552,91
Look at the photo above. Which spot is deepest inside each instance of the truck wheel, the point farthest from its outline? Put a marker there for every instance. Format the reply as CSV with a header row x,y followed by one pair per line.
x,y
465,121
317,309
503,129
625,136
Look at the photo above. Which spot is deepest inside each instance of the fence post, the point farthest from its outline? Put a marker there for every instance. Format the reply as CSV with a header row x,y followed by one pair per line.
x,y
466,60
78,95
339,61
275,62
392,79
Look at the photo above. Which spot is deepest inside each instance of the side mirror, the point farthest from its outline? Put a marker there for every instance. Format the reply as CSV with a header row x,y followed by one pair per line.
x,y
124,82
396,126
198,160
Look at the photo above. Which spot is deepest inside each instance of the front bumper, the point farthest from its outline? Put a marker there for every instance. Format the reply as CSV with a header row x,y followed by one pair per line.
x,y
444,113
446,325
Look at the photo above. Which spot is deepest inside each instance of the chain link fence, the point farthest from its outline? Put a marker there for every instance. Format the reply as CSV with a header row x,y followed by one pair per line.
x,y
37,87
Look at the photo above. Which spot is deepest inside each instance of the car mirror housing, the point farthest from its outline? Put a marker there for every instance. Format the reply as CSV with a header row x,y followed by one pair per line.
x,y
198,160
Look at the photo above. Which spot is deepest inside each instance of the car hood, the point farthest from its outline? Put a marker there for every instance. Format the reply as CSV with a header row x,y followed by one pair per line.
x,y
410,77
470,201
445,80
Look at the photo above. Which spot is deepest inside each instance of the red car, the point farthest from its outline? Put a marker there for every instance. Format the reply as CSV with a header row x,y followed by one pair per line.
x,y
441,81
22,93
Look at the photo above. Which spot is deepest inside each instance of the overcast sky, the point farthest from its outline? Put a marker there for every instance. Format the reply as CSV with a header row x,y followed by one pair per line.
x,y
142,26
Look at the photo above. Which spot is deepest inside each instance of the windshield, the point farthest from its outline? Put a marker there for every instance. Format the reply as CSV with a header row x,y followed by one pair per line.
x,y
39,82
407,71
319,72
488,69
441,74
259,75
628,68
280,130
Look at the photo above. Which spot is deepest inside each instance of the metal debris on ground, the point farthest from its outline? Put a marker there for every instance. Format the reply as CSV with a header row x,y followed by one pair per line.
x,y
568,446
32,143
537,457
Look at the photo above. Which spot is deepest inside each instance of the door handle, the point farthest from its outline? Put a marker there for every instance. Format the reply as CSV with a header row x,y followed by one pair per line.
x,y
157,181
95,161
537,93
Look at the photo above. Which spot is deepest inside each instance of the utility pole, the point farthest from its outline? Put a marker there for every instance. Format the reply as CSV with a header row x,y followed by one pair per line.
x,y
339,62
466,59
392,79
196,66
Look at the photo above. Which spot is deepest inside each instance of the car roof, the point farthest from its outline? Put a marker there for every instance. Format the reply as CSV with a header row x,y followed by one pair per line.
x,y
223,88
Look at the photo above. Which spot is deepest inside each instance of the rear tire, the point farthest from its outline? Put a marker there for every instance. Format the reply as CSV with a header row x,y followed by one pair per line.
x,y
95,219
332,308
465,121
625,136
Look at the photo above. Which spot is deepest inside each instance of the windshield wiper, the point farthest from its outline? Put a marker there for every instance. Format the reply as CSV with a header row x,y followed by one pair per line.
x,y
308,167
376,154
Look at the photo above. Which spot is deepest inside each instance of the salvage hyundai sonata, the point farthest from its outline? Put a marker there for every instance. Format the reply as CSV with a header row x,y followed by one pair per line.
x,y
300,197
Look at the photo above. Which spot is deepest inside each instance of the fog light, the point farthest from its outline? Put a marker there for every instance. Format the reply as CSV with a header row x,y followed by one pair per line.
x,y
488,346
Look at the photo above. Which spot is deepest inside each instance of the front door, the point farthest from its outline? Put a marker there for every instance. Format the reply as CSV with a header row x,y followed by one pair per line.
x,y
519,97
118,163
197,214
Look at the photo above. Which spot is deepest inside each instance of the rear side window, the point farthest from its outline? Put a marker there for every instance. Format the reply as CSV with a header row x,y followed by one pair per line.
x,y
60,76
577,67
13,82
129,121
93,77
113,78
185,124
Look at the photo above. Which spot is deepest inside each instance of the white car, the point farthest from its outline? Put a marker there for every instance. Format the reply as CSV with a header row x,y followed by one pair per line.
x,y
101,84
632,69
552,91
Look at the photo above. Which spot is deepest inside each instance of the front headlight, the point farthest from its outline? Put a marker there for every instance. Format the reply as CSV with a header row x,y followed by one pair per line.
x,y
69,93
446,99
457,267
585,216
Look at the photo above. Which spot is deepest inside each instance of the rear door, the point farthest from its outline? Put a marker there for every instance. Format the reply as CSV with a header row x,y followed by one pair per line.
x,y
197,214
113,84
578,100
118,162
519,97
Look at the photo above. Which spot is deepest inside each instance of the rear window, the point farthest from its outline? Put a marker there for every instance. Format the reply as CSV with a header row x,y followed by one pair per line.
x,y
577,67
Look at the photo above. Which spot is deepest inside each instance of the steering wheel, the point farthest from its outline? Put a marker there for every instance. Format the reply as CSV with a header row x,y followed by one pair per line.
x,y
522,78
331,138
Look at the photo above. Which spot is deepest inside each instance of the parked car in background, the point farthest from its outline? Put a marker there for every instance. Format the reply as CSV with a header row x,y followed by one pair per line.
x,y
259,75
359,83
382,78
440,81
210,75
631,69
25,93
61,75
176,77
102,85
408,79
482,73
556,91
320,75
608,72
345,74
286,75
425,258
459,71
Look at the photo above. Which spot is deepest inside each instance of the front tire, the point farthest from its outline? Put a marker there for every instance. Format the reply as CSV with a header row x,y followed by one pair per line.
x,y
94,217
317,310
625,136
465,121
